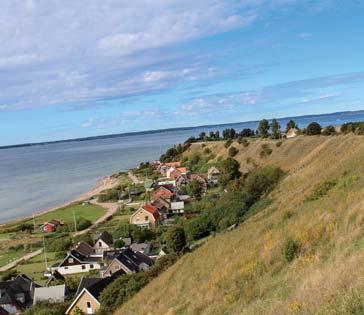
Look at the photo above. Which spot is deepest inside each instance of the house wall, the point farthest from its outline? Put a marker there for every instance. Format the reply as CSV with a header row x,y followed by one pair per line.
x,y
113,267
82,304
68,270
139,218
100,249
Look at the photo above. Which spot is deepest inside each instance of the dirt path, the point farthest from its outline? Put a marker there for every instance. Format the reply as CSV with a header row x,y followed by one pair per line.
x,y
133,178
19,260
111,208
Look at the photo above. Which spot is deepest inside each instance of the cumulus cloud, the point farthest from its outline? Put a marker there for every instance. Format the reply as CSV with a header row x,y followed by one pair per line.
x,y
79,52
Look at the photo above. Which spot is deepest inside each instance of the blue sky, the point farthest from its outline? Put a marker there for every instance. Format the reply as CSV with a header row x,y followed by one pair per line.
x,y
82,68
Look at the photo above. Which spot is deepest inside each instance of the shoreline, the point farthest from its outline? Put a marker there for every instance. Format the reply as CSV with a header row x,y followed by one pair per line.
x,y
102,183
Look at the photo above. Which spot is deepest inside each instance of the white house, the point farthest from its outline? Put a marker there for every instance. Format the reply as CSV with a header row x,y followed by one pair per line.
x,y
103,243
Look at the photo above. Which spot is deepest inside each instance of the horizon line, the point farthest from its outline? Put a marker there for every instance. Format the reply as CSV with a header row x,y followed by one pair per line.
x,y
152,131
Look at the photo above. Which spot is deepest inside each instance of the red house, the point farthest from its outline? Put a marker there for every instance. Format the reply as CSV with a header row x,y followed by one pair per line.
x,y
51,226
162,192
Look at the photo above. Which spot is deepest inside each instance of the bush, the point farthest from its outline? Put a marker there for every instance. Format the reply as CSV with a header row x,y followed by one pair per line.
x,y
59,244
83,224
233,151
228,143
162,264
265,151
47,308
119,244
279,143
329,131
121,290
175,239
290,249
313,129
322,189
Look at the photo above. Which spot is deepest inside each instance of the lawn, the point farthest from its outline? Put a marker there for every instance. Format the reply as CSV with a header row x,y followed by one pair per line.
x,y
89,212
10,256
35,267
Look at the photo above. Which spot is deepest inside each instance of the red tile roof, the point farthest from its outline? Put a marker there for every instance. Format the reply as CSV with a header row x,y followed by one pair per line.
x,y
153,210
162,192
173,164
182,169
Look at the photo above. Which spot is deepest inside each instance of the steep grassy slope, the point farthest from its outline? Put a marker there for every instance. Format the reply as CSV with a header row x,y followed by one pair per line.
x,y
245,272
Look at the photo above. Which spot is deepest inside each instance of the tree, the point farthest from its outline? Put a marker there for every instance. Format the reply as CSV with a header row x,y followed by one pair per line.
x,y
217,134
247,132
119,244
275,126
202,135
194,189
233,151
230,169
329,131
176,239
313,129
291,124
263,128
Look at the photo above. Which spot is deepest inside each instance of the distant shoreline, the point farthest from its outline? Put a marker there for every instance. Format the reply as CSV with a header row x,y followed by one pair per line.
x,y
119,135
102,183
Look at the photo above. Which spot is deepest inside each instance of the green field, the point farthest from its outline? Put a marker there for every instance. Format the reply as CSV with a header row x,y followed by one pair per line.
x,y
89,212
8,257
35,267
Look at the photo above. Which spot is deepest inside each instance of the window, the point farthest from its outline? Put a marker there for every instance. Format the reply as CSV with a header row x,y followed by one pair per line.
x,y
146,218
100,244
70,260
88,304
83,267
66,268
91,266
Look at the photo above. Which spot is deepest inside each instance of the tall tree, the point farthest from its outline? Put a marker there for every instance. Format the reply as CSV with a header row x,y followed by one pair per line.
x,y
176,239
263,128
276,129
291,124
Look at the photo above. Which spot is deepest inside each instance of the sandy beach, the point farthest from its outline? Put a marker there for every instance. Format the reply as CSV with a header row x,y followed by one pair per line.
x,y
103,183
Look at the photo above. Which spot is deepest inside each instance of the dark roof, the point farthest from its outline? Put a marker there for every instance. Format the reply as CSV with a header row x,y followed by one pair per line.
x,y
85,283
55,276
54,222
22,284
84,249
106,237
3,312
132,260
77,255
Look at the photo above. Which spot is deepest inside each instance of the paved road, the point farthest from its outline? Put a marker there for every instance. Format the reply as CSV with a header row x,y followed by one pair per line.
x,y
19,260
111,208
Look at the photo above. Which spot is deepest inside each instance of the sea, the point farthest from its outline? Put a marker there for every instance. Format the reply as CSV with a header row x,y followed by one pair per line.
x,y
38,177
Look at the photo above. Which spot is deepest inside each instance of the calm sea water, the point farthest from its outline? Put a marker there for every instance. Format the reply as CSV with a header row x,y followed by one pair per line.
x,y
39,177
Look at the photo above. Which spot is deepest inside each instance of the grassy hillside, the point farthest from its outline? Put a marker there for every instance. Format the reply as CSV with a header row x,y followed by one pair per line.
x,y
318,207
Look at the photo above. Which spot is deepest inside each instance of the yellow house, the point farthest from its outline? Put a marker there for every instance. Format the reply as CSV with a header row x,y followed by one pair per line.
x,y
146,216
87,296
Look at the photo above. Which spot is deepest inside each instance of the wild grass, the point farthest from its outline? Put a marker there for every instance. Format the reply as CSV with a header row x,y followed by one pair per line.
x,y
245,271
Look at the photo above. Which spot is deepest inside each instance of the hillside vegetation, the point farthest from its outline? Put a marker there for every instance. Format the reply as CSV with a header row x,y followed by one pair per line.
x,y
302,254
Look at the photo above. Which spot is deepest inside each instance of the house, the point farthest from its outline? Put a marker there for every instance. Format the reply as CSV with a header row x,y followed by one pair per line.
x,y
178,206
169,171
162,192
126,241
87,295
128,261
291,133
146,216
103,243
55,278
173,164
17,294
175,174
181,181
213,173
50,226
182,170
201,179
53,293
162,205
144,248
79,260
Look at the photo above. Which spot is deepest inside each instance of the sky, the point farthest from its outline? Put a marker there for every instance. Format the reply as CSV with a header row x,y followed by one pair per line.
x,y
82,68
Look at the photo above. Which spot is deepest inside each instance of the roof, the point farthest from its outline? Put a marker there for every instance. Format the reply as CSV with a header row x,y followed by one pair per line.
x,y
106,237
173,164
55,276
85,283
132,260
151,209
84,249
55,222
22,284
182,169
162,192
3,312
141,247
213,170
55,293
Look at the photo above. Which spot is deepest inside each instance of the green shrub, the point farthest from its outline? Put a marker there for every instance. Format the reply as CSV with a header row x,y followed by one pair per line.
x,y
322,190
233,151
119,244
313,129
279,143
59,244
175,239
228,143
83,224
329,131
47,308
265,151
290,249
